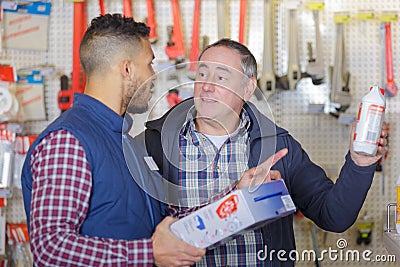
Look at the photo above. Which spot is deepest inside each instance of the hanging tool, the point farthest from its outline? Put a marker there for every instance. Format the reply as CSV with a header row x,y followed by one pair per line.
x,y
316,66
175,48
78,77
242,20
266,83
340,95
65,95
102,9
205,41
380,167
293,73
195,47
390,85
364,229
223,18
151,21
315,243
382,36
173,97
128,9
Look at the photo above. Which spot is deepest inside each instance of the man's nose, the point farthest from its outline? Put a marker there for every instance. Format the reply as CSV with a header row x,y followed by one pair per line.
x,y
208,86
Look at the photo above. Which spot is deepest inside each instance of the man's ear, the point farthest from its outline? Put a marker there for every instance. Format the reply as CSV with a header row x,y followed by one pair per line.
x,y
249,88
127,69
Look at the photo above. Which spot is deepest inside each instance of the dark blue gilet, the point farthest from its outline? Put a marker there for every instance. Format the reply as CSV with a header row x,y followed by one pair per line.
x,y
118,206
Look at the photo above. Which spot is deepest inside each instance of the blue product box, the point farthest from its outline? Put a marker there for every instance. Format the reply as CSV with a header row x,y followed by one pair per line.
x,y
237,212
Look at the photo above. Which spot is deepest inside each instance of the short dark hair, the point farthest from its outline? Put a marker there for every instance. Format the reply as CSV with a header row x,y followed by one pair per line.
x,y
107,36
248,61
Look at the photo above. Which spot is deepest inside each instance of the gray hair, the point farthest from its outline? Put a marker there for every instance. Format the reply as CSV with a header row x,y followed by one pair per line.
x,y
248,62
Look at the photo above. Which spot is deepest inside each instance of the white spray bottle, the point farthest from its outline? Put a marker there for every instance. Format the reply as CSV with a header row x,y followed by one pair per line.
x,y
369,122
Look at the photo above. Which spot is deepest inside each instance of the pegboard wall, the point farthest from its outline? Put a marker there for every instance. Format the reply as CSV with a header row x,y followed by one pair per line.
x,y
321,135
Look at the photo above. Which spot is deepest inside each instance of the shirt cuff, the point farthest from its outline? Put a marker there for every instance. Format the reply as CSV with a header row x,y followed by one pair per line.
x,y
141,252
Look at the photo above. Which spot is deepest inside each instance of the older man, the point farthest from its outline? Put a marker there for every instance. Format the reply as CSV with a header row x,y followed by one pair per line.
x,y
209,141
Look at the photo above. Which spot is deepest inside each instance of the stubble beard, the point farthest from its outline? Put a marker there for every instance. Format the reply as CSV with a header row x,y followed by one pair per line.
x,y
134,101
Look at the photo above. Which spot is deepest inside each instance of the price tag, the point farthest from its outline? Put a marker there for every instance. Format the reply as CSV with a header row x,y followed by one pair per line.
x,y
365,16
315,5
341,18
389,17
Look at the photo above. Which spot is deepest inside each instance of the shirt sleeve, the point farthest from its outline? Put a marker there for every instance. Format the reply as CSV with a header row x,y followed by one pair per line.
x,y
61,190
332,206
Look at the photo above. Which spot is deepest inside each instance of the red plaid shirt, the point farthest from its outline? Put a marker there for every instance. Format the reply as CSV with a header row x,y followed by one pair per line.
x,y
61,189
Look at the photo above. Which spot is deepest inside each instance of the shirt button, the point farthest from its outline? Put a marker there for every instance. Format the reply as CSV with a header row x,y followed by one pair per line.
x,y
217,167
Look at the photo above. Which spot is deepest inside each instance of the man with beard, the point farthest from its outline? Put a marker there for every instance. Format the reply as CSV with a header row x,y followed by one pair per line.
x,y
210,142
82,204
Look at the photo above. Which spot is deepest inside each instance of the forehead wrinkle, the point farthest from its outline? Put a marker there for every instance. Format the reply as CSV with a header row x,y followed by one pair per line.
x,y
204,65
224,69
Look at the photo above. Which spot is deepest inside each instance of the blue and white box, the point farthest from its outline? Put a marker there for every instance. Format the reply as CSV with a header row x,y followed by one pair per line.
x,y
237,212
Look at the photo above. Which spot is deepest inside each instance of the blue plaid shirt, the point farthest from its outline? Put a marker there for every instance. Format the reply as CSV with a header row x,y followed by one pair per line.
x,y
208,173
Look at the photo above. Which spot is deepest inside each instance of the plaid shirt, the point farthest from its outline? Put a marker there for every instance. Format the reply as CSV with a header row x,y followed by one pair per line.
x,y
61,189
208,173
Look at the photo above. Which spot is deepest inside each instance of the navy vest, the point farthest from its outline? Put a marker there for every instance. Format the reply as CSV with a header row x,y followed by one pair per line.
x,y
119,208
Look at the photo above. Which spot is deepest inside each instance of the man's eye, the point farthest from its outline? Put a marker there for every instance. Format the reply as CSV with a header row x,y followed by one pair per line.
x,y
221,78
201,75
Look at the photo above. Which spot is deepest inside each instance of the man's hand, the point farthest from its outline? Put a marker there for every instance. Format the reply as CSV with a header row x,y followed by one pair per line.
x,y
169,250
365,160
262,173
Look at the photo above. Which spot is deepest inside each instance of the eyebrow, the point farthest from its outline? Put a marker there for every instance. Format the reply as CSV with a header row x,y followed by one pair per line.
x,y
218,68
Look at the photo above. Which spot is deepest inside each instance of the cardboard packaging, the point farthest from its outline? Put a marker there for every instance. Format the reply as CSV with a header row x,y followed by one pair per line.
x,y
26,25
239,211
30,93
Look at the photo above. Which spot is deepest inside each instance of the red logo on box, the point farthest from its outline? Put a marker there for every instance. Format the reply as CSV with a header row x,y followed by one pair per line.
x,y
228,207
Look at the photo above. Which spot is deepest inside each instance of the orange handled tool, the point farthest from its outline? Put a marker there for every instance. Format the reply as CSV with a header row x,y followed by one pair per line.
x,y
102,9
128,9
78,83
242,23
173,97
390,86
195,48
65,96
175,47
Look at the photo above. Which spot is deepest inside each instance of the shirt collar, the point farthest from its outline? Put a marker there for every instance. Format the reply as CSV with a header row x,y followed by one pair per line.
x,y
188,129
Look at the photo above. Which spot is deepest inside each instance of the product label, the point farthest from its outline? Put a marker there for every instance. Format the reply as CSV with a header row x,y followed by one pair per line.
x,y
288,202
228,207
370,119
